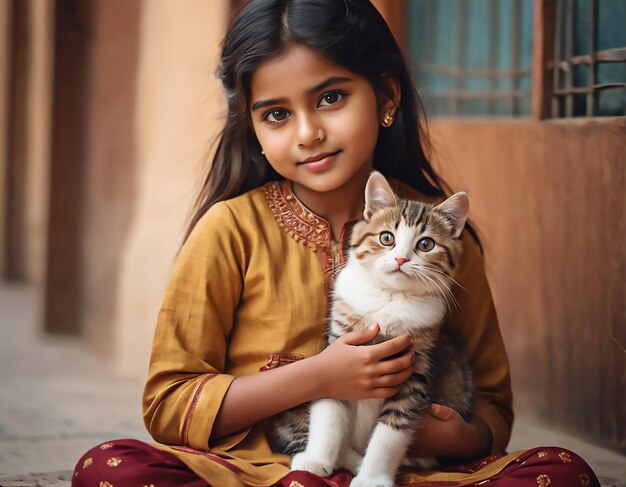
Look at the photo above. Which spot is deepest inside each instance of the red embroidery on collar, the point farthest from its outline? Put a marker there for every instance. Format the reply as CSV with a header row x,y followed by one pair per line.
x,y
306,227
299,222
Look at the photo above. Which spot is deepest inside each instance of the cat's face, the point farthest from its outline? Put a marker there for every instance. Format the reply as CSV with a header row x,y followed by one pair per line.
x,y
407,245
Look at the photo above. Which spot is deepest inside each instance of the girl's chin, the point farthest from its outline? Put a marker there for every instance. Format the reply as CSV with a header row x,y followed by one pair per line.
x,y
322,183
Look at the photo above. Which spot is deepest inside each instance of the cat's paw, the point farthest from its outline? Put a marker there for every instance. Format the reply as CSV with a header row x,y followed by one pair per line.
x,y
379,481
351,460
302,461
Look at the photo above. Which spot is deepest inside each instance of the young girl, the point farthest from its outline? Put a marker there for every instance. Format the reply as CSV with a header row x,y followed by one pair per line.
x,y
318,97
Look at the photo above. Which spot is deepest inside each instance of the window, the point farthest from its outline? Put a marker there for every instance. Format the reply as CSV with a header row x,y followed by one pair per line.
x,y
481,57
472,57
589,65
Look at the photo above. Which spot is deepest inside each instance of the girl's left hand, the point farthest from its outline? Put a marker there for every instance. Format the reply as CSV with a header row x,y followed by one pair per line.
x,y
444,433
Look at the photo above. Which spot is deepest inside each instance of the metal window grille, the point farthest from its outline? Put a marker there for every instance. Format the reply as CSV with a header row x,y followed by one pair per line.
x,y
472,57
589,65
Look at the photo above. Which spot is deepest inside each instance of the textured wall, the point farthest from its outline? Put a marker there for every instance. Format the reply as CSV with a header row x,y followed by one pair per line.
x,y
119,104
39,107
177,113
25,99
109,174
548,200
4,88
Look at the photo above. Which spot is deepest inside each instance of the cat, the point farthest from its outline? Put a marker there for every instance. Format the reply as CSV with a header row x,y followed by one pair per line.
x,y
399,274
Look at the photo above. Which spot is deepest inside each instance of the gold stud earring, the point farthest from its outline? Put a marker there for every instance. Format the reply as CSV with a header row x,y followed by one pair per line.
x,y
262,152
387,118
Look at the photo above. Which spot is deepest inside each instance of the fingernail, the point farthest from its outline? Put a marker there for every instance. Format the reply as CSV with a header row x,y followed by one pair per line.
x,y
373,327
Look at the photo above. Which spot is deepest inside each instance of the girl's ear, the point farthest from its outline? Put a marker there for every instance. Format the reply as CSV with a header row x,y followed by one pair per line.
x,y
390,96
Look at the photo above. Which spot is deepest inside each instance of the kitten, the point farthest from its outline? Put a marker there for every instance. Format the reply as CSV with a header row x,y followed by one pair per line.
x,y
399,274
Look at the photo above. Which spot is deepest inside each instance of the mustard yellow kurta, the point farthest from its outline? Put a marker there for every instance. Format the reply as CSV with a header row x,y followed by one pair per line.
x,y
247,292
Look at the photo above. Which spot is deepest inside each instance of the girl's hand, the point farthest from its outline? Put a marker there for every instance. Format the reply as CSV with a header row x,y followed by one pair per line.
x,y
347,371
444,433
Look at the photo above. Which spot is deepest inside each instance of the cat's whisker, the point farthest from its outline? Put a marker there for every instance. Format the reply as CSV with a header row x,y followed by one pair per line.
x,y
448,290
447,276
443,290
426,269
427,284
434,288
444,279
432,268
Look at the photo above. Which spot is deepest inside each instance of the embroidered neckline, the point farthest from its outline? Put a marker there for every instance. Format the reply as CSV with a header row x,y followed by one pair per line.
x,y
305,226
297,220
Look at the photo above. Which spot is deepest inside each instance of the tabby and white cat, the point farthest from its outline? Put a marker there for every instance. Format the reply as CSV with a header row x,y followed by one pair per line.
x,y
399,274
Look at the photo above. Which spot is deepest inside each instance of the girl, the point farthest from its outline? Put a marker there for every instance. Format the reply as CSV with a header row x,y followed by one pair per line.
x,y
318,97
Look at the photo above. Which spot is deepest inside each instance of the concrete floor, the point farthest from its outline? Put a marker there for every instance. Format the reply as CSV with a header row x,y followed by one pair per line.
x,y
57,401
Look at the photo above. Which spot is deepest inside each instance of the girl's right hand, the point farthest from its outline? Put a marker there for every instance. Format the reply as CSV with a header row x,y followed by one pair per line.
x,y
348,371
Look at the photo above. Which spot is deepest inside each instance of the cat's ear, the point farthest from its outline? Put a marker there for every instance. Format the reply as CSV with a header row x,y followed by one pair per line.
x,y
456,208
378,194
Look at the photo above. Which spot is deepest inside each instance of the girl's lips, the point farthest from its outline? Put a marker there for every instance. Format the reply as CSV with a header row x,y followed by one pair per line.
x,y
320,162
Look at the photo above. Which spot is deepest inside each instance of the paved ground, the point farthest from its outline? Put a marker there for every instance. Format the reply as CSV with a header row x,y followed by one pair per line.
x,y
57,401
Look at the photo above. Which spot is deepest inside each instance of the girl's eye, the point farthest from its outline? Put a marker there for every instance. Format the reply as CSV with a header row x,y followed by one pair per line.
x,y
386,238
330,98
277,115
426,244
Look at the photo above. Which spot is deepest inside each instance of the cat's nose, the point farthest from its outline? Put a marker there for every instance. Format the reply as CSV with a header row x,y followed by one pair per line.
x,y
401,260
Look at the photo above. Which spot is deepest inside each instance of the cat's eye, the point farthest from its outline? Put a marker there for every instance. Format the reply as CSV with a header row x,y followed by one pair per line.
x,y
425,244
386,238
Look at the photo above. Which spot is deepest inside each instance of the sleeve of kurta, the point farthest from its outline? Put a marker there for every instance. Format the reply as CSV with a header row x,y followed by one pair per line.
x,y
476,325
186,383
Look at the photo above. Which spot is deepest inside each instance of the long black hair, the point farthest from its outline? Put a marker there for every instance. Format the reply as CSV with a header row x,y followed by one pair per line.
x,y
352,34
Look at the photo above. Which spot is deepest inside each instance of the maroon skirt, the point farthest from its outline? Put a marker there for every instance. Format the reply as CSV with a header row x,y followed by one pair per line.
x,y
121,463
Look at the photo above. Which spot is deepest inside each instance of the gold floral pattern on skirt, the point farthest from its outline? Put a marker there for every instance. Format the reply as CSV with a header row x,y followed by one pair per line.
x,y
542,454
114,461
584,479
565,457
543,481
295,483
87,462
104,483
106,446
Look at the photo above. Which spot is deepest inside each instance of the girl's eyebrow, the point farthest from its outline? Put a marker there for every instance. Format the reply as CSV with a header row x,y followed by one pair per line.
x,y
333,80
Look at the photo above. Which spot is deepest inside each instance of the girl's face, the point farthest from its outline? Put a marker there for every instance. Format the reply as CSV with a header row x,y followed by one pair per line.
x,y
316,121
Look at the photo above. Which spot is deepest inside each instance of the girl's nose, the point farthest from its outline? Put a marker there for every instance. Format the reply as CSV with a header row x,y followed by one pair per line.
x,y
309,131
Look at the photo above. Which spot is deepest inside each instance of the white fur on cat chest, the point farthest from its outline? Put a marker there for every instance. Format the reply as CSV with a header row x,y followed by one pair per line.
x,y
394,311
